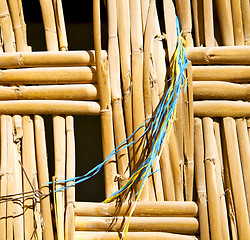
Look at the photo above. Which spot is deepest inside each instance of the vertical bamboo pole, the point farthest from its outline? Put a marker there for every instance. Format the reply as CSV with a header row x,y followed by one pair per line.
x,y
248,127
144,13
245,8
197,42
237,23
212,191
137,77
114,73
70,173
43,176
200,179
235,170
201,19
22,22
244,148
208,22
106,111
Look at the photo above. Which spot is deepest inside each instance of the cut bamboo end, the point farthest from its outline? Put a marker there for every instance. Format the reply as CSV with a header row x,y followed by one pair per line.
x,y
221,109
164,208
49,107
88,235
219,55
148,224
49,59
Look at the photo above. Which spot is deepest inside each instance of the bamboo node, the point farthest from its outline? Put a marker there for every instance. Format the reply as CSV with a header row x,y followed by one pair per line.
x,y
115,100
201,196
20,60
107,110
49,30
119,178
4,15
210,159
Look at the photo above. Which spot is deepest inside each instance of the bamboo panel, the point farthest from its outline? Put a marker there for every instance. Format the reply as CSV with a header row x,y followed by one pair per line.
x,y
221,109
205,90
43,176
132,236
222,73
54,92
208,23
245,8
49,107
200,179
48,75
147,224
235,171
144,208
219,55
49,59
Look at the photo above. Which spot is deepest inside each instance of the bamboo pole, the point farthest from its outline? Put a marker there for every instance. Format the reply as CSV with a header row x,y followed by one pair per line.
x,y
114,70
70,173
205,90
195,6
208,23
144,13
49,59
219,55
88,235
221,73
225,21
48,75
143,208
245,8
244,149
201,21
49,25
235,170
212,188
200,179
137,91
221,109
106,112
43,176
248,127
54,92
237,23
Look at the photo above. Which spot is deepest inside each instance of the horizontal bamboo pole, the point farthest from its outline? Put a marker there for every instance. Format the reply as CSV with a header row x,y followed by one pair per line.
x,y
48,92
60,75
221,73
87,235
49,59
159,208
146,224
205,90
221,109
219,55
49,107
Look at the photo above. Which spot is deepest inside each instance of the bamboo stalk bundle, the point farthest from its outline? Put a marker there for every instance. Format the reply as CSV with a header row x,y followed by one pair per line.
x,y
225,21
43,176
148,224
236,177
205,90
245,8
200,179
237,23
137,91
143,208
29,179
70,173
221,109
49,59
88,235
49,107
106,111
221,73
48,75
244,149
49,25
211,184
208,23
219,55
47,92
114,73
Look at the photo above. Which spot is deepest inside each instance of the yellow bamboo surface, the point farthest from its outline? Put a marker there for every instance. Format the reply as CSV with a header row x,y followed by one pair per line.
x,y
88,235
49,107
148,224
49,59
48,75
219,55
144,208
